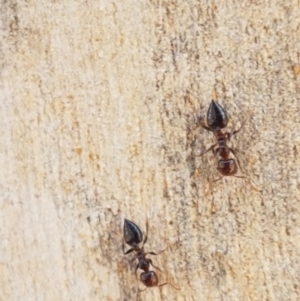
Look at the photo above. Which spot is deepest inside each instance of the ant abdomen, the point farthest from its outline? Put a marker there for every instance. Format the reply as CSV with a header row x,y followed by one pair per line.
x,y
149,279
227,167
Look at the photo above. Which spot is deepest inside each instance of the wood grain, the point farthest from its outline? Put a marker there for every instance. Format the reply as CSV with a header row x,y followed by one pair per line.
x,y
95,128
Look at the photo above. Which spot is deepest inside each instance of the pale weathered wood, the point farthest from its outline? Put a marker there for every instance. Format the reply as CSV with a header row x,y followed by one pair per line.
x,y
94,129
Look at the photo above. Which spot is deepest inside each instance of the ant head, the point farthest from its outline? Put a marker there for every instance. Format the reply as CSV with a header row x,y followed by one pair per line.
x,y
132,233
216,116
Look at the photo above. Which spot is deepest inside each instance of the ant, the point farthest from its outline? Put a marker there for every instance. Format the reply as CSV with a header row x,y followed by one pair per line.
x,y
217,119
133,236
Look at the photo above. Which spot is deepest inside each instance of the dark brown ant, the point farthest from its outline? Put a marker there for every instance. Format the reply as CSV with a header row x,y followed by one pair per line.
x,y
133,236
217,119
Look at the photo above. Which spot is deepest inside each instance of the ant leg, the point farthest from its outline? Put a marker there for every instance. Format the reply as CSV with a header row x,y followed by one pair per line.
x,y
150,261
199,121
133,259
123,247
128,251
136,268
152,253
206,151
139,291
216,180
232,133
202,123
146,235
170,284
242,177
191,100
251,183
215,153
237,159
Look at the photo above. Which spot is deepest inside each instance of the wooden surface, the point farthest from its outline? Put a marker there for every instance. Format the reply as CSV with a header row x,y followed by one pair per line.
x,y
95,128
